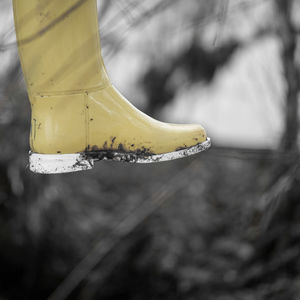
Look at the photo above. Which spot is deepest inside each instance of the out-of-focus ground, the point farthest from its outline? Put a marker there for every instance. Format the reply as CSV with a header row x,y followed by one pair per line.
x,y
220,225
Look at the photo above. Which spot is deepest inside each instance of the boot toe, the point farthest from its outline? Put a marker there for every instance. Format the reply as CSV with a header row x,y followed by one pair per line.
x,y
191,135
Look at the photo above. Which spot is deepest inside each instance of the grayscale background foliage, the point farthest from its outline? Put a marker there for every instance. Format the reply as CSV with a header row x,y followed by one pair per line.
x,y
221,225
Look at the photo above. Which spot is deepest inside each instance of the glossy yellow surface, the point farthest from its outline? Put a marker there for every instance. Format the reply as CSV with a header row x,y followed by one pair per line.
x,y
74,106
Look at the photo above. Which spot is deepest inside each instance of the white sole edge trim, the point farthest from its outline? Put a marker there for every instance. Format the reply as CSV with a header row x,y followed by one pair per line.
x,y
58,163
66,163
176,154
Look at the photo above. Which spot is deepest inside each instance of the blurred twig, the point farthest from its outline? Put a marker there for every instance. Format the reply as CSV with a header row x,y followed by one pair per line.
x,y
145,15
222,20
272,199
284,171
247,4
252,154
286,32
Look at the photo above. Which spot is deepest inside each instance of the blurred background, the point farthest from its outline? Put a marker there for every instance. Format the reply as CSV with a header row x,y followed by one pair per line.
x,y
221,225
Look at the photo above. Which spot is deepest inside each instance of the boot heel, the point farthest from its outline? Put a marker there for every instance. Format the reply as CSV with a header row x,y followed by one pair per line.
x,y
59,163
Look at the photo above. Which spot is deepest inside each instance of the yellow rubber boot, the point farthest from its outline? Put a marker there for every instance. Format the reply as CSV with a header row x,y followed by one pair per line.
x,y
78,117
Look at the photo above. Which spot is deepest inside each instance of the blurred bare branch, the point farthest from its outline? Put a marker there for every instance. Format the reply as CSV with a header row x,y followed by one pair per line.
x,y
285,170
288,37
129,224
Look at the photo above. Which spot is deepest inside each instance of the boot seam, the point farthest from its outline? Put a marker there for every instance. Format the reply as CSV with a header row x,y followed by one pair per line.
x,y
72,92
87,118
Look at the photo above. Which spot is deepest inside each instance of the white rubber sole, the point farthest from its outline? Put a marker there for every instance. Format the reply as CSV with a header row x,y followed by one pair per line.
x,y
66,163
